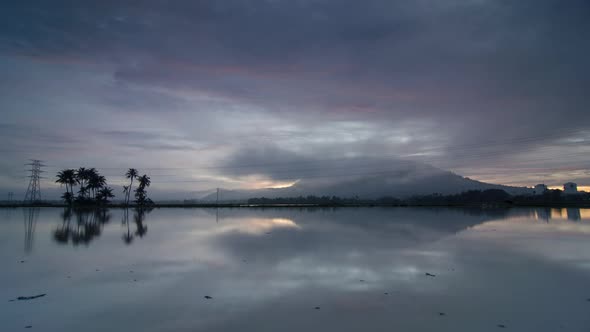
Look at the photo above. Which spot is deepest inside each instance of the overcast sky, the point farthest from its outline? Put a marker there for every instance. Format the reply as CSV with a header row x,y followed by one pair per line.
x,y
222,93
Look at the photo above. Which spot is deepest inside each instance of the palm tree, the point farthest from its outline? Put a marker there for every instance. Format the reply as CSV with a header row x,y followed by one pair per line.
x,y
93,181
62,179
140,193
104,194
144,181
125,192
67,177
71,179
68,197
82,178
96,182
131,174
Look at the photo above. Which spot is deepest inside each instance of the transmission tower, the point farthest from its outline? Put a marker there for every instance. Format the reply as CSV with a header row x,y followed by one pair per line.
x,y
34,190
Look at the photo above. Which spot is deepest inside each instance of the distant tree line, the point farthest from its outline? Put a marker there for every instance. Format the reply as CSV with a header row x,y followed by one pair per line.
x,y
323,200
467,197
471,197
554,196
92,188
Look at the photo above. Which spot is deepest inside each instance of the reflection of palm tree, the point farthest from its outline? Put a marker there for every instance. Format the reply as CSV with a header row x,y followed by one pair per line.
x,y
127,238
89,224
138,218
62,234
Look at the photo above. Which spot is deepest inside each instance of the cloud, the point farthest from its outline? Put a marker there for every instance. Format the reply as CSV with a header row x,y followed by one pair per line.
x,y
460,84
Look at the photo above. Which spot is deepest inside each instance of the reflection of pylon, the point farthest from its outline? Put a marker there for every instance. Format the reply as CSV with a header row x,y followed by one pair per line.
x,y
31,216
34,190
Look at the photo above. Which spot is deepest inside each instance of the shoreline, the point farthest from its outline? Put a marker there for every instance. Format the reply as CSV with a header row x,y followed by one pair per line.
x,y
246,206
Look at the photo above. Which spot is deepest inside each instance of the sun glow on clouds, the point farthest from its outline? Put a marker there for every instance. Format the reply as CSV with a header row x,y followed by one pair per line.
x,y
260,182
580,188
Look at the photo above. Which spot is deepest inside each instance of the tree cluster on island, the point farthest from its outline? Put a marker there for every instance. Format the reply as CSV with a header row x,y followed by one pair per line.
x,y
93,189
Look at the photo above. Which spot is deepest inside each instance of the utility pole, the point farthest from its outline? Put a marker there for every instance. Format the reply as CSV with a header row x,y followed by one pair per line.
x,y
217,202
34,190
10,195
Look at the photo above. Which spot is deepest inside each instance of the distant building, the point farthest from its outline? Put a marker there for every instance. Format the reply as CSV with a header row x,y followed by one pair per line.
x,y
540,189
570,188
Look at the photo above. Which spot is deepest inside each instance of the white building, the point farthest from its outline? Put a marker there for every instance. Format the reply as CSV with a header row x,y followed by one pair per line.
x,y
570,188
540,189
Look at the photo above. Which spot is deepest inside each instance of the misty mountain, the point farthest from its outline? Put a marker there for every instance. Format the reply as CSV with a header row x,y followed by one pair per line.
x,y
401,181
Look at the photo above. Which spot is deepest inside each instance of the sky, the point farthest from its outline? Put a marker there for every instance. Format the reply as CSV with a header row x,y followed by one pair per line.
x,y
253,93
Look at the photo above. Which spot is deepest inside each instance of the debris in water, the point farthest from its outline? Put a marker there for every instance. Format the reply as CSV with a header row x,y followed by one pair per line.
x,y
386,293
208,297
22,261
502,326
28,326
441,314
317,308
362,280
430,274
24,298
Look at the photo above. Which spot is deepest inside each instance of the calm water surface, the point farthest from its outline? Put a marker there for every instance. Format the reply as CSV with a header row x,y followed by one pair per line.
x,y
296,270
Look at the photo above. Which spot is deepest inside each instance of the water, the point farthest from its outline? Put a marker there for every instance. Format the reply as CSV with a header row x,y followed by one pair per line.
x,y
268,270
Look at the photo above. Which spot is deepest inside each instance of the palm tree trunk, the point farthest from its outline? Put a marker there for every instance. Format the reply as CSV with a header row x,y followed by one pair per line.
x,y
129,192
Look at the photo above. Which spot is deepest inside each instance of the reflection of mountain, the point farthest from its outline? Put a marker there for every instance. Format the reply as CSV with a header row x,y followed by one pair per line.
x,y
340,230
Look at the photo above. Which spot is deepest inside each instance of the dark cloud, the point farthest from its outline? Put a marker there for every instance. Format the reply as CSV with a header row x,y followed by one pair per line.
x,y
455,83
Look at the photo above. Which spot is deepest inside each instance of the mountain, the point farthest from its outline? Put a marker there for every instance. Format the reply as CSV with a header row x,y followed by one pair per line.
x,y
399,180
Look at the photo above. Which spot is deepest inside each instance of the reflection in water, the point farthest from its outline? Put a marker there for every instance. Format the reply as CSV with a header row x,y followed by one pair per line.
x,y
30,217
88,225
90,222
543,214
138,219
573,214
546,213
267,270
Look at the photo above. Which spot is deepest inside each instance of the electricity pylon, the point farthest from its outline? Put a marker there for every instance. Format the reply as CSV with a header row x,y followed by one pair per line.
x,y
34,190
